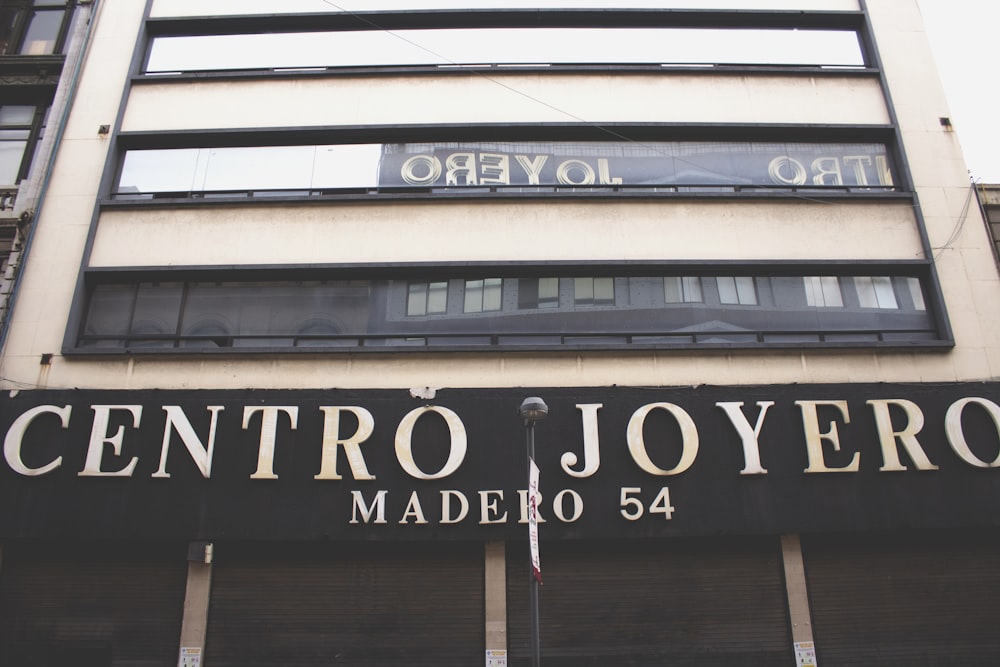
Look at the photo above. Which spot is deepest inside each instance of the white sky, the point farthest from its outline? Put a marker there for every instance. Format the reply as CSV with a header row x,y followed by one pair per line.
x,y
964,35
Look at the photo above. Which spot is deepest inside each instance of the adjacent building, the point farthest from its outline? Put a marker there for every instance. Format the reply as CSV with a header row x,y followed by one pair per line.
x,y
296,265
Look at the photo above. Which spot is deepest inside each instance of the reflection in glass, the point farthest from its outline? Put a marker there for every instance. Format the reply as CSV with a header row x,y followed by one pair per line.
x,y
823,291
513,311
506,46
594,291
427,298
875,292
534,293
506,165
737,290
483,295
682,289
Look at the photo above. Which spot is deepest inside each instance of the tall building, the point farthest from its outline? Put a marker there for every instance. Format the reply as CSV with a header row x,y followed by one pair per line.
x,y
298,264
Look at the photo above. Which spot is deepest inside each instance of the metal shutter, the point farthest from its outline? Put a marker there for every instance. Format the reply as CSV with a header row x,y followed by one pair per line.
x,y
114,605
696,602
364,605
914,600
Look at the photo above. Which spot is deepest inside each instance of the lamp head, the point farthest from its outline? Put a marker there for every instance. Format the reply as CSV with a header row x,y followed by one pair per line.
x,y
533,409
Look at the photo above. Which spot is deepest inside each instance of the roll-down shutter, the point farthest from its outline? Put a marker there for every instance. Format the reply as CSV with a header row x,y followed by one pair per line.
x,y
91,605
915,600
364,605
638,604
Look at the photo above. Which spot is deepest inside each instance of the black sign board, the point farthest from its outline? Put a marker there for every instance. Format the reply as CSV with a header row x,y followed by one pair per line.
x,y
615,462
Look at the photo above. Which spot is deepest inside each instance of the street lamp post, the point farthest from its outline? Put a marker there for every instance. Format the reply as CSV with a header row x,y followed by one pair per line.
x,y
532,410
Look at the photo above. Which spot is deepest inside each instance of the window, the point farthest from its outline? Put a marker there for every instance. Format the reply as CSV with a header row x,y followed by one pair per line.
x,y
737,290
34,28
483,295
875,292
427,299
534,293
594,291
236,313
823,291
652,166
682,289
21,127
916,293
450,46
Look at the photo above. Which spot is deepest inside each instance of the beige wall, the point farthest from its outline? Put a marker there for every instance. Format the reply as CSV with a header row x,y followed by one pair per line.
x,y
572,229
492,231
506,98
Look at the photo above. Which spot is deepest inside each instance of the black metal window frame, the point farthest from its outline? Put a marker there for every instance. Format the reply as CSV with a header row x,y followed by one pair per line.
x,y
432,333
504,18
41,101
21,12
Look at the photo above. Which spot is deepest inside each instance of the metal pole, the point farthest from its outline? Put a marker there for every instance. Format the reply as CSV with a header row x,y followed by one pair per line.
x,y
535,642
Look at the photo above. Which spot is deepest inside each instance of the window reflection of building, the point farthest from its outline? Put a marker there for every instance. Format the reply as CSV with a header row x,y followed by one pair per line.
x,y
737,290
823,291
682,289
488,311
427,298
594,291
483,295
511,167
537,293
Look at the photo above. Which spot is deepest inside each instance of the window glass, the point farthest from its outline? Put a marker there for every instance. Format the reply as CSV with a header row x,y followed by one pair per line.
x,y
12,146
377,312
427,298
617,164
471,46
682,289
483,295
916,294
737,290
42,33
823,291
594,291
17,114
109,310
536,293
875,292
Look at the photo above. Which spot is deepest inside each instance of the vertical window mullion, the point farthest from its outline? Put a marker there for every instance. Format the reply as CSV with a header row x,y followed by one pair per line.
x,y
186,285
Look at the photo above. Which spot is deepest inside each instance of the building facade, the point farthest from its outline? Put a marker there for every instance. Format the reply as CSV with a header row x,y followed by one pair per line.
x,y
297,265
41,49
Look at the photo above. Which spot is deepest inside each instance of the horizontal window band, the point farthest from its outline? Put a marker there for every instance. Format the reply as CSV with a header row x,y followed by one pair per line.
x,y
531,45
434,168
479,308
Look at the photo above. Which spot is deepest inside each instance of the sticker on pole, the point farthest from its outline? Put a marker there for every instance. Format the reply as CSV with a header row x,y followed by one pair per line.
x,y
496,658
805,654
533,498
190,657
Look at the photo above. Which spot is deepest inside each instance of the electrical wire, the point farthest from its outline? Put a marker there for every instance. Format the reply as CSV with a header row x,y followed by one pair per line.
x,y
589,123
